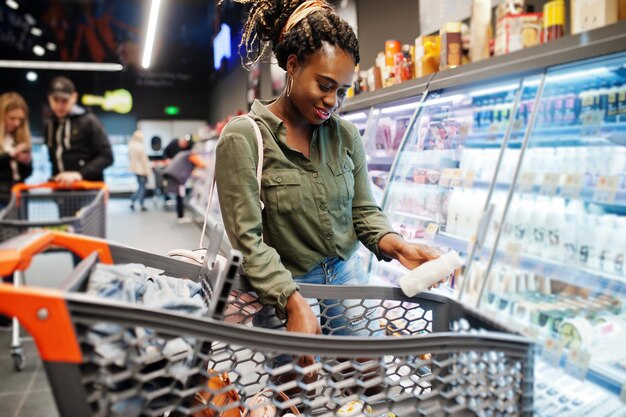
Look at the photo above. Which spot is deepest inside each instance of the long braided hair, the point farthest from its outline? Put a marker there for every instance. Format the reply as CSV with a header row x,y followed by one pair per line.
x,y
264,29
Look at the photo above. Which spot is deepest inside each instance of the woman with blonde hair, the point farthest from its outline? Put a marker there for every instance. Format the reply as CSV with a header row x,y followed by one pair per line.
x,y
15,155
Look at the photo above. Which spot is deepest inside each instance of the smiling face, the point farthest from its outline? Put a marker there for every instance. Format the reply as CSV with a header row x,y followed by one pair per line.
x,y
14,119
320,83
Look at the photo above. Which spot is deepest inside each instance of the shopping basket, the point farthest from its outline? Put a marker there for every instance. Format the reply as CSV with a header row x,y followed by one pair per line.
x,y
80,208
419,368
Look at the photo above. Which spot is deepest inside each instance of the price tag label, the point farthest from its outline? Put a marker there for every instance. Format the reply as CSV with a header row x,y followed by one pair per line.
x,y
431,231
532,332
457,178
470,177
572,185
550,183
526,182
606,189
446,177
470,243
513,251
552,351
577,363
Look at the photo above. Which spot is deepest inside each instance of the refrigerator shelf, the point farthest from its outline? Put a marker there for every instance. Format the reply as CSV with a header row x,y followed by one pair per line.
x,y
586,194
580,276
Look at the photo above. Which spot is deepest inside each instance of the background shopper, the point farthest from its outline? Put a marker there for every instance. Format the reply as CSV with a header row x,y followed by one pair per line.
x,y
78,145
15,147
140,166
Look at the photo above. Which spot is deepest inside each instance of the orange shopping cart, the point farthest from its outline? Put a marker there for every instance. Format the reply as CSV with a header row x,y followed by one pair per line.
x,y
107,357
80,209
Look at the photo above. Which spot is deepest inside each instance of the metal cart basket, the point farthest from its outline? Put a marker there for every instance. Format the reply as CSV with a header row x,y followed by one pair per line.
x,y
428,355
80,208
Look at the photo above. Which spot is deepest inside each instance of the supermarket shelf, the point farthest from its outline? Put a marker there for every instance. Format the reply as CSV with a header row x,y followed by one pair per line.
x,y
380,163
606,134
415,216
595,43
587,194
603,375
573,274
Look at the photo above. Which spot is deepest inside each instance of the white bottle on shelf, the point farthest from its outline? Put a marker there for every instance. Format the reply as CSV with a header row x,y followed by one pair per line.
x,y
508,233
619,254
555,224
521,221
608,232
453,211
537,222
574,215
429,273
587,240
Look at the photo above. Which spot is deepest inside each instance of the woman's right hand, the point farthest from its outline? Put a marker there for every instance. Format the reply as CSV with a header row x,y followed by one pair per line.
x,y
301,319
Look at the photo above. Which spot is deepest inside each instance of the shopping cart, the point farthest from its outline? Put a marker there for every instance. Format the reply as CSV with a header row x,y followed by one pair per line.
x,y
418,368
80,208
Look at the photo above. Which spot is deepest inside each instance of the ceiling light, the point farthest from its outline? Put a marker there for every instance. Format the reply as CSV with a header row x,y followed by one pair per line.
x,y
68,66
31,76
30,19
12,4
152,23
36,31
38,50
51,46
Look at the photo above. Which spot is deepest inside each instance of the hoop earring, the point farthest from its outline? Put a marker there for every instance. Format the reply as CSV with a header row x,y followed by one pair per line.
x,y
289,86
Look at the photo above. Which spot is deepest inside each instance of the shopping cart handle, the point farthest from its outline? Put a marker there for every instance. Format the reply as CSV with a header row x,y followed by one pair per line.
x,y
78,185
17,253
44,314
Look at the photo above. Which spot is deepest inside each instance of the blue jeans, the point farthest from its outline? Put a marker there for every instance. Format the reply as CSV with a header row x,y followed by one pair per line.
x,y
141,190
337,317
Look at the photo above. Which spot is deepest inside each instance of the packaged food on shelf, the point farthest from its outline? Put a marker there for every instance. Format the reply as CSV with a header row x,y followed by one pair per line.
x,y
451,48
592,14
480,30
518,31
553,20
427,55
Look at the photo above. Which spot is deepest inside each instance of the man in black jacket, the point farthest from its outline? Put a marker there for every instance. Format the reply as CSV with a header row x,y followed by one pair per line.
x,y
78,145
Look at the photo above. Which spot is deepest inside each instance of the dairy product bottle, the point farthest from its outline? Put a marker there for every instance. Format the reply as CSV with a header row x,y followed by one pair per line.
x,y
537,223
453,211
574,214
429,273
554,224
521,220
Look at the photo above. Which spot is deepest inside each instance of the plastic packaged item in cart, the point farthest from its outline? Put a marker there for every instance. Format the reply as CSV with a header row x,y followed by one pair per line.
x,y
356,408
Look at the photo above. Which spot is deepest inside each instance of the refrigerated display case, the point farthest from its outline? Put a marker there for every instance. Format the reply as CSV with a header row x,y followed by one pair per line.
x,y
555,269
519,164
382,126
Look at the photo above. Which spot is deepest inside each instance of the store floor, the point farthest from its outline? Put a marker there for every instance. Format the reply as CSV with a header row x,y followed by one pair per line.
x,y
27,393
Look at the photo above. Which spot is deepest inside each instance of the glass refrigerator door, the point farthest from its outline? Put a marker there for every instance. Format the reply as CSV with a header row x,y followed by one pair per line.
x,y
557,271
439,183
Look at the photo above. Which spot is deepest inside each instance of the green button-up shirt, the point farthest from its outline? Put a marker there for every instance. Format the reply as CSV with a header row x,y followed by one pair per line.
x,y
314,207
